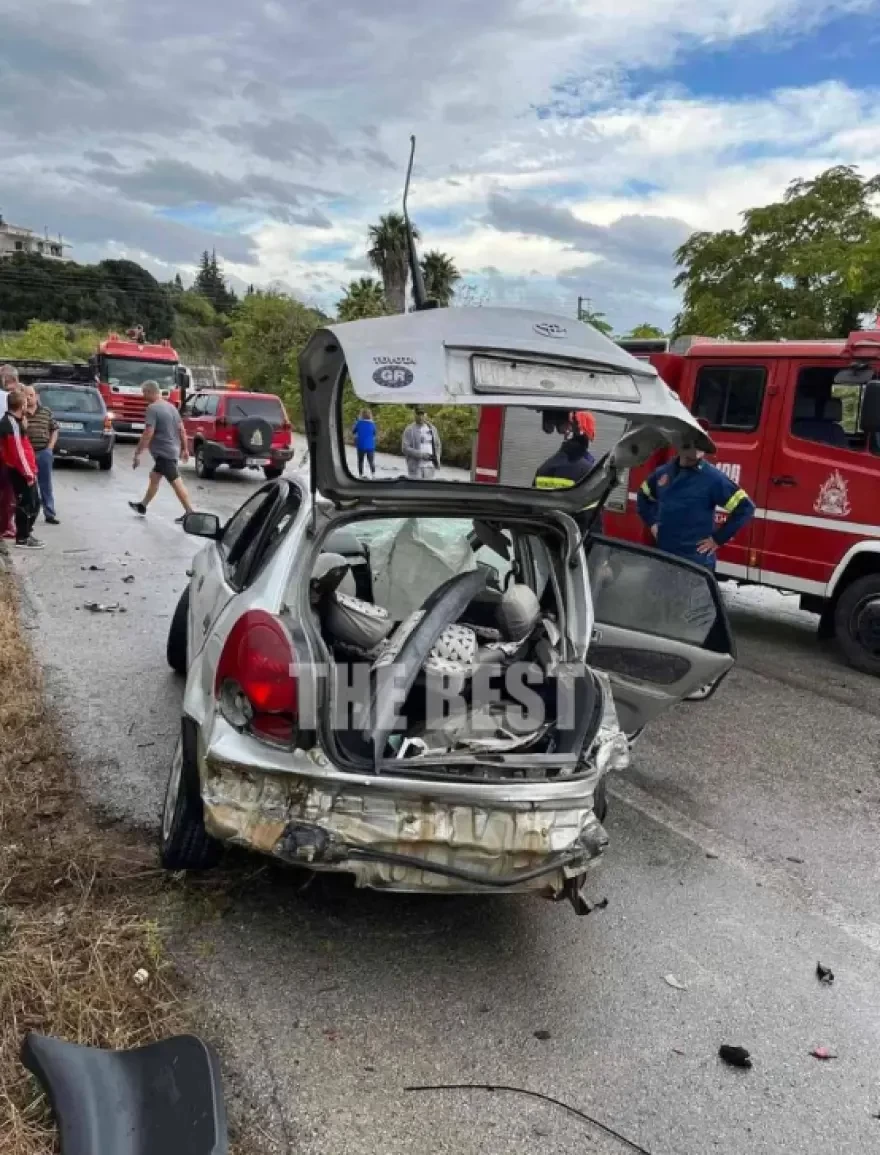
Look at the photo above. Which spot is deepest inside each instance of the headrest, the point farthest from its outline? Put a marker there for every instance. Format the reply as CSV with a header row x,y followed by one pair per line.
x,y
518,612
330,569
832,410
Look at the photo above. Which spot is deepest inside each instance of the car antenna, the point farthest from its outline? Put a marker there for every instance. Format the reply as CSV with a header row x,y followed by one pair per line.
x,y
420,297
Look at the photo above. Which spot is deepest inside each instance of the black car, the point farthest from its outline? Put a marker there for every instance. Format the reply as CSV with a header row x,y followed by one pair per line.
x,y
85,428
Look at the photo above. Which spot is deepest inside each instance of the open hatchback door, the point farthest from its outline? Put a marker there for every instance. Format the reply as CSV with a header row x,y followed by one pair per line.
x,y
474,357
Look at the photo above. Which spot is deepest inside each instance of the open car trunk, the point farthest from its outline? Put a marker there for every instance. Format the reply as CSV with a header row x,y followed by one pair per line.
x,y
452,646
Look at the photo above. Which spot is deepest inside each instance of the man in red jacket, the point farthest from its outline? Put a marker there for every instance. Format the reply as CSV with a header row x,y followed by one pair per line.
x,y
8,382
17,454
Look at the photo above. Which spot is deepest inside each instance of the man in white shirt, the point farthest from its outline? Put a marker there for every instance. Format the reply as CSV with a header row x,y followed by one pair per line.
x,y
421,447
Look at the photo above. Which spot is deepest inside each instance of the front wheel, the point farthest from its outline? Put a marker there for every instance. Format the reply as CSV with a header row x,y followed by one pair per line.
x,y
185,844
857,623
203,469
175,649
272,471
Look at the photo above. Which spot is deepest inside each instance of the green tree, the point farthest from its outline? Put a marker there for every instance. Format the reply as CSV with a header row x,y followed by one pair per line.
x,y
646,330
805,266
211,283
440,276
388,254
363,298
597,320
267,334
50,341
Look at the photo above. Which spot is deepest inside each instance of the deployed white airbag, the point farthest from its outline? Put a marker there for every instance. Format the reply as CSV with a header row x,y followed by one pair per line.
x,y
410,563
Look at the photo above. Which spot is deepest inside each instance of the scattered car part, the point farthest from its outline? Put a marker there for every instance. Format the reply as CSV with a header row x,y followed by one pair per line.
x,y
162,1099
734,1056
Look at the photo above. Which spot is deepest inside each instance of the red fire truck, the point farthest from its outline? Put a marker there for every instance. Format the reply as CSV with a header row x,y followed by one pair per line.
x,y
797,425
121,367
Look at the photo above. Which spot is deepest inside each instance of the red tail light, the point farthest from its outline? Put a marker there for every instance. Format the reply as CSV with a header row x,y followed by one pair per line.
x,y
255,682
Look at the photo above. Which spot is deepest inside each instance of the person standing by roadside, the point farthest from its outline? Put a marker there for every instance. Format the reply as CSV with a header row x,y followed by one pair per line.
x,y
8,382
17,455
42,431
678,503
165,438
421,447
365,441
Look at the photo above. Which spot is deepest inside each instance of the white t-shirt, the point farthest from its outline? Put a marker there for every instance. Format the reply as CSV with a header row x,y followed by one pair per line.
x,y
427,444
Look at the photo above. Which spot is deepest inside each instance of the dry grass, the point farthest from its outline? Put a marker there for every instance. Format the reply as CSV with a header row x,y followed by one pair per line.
x,y
77,906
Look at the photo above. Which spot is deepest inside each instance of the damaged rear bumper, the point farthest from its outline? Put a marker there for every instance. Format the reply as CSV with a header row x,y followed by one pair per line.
x,y
402,834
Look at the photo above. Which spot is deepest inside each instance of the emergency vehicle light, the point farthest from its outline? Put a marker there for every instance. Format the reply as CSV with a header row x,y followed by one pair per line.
x,y
501,375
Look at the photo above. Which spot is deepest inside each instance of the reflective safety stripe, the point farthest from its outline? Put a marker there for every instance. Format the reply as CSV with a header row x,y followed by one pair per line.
x,y
553,483
646,490
739,496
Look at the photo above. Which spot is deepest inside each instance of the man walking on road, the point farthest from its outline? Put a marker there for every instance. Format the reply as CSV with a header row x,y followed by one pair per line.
x,y
421,447
42,431
8,382
678,503
165,438
17,456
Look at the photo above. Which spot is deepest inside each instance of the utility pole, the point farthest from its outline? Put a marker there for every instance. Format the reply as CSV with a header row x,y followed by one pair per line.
x,y
582,312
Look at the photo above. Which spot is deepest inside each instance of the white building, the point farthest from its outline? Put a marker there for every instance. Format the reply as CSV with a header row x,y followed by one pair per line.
x,y
14,239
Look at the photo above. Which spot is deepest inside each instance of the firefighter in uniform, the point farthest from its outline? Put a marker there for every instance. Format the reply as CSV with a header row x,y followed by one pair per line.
x,y
678,503
572,461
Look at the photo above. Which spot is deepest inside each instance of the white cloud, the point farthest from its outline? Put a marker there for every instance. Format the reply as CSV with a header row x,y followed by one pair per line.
x,y
287,118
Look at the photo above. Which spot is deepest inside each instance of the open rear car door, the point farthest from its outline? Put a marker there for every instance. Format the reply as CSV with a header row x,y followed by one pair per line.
x,y
661,632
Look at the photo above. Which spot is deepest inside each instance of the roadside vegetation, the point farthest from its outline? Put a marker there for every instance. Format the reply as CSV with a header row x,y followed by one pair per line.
x,y
83,910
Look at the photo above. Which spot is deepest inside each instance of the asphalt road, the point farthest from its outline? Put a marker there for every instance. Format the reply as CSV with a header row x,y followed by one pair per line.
x,y
745,847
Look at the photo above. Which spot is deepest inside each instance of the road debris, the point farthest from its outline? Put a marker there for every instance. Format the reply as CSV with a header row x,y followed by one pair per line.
x,y
128,579
93,568
822,1053
101,608
672,981
141,977
795,859
543,1035
824,974
734,1056
711,853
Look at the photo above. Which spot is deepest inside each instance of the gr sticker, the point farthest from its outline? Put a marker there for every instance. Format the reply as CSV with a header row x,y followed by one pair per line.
x,y
393,376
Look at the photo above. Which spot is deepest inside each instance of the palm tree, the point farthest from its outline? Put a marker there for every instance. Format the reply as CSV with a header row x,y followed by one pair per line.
x,y
389,256
440,276
363,298
646,330
597,320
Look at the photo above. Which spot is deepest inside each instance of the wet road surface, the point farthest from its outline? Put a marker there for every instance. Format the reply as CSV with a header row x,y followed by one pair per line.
x,y
745,847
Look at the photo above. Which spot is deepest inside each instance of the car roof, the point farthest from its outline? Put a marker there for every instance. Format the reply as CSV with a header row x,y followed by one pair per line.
x,y
214,391
66,385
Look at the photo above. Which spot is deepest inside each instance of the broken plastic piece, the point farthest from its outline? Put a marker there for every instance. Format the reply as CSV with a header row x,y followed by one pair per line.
x,y
824,974
734,1056
672,981
162,1099
543,1035
822,1053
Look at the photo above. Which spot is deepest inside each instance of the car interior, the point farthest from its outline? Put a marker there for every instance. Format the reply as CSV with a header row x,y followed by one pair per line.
x,y
493,595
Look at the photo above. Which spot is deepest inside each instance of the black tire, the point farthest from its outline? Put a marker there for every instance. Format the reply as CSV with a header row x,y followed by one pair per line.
x,y
272,472
175,648
857,626
105,463
203,469
255,436
600,801
184,842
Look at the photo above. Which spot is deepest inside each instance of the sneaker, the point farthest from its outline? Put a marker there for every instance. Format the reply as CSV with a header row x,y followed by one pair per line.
x,y
51,519
31,543
138,507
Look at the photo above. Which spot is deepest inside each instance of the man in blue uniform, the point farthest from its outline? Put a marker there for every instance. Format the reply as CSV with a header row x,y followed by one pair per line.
x,y
678,503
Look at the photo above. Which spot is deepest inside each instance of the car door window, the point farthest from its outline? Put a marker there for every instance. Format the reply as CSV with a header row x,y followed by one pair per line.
x,y
243,527
211,404
197,405
276,525
661,632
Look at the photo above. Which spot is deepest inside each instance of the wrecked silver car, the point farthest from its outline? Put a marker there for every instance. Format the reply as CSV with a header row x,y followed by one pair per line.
x,y
424,684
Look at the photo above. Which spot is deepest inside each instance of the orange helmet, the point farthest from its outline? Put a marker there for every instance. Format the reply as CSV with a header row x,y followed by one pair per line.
x,y
584,424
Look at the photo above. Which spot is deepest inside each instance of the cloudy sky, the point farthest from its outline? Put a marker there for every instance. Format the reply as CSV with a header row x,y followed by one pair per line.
x,y
565,147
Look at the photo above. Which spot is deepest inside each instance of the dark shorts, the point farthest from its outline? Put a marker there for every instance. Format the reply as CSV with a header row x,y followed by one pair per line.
x,y
166,467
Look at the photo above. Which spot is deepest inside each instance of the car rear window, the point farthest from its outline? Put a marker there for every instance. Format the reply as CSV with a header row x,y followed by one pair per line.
x,y
67,399
269,408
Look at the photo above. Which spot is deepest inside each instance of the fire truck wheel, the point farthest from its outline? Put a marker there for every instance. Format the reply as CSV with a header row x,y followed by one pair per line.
x,y
175,649
857,623
203,470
